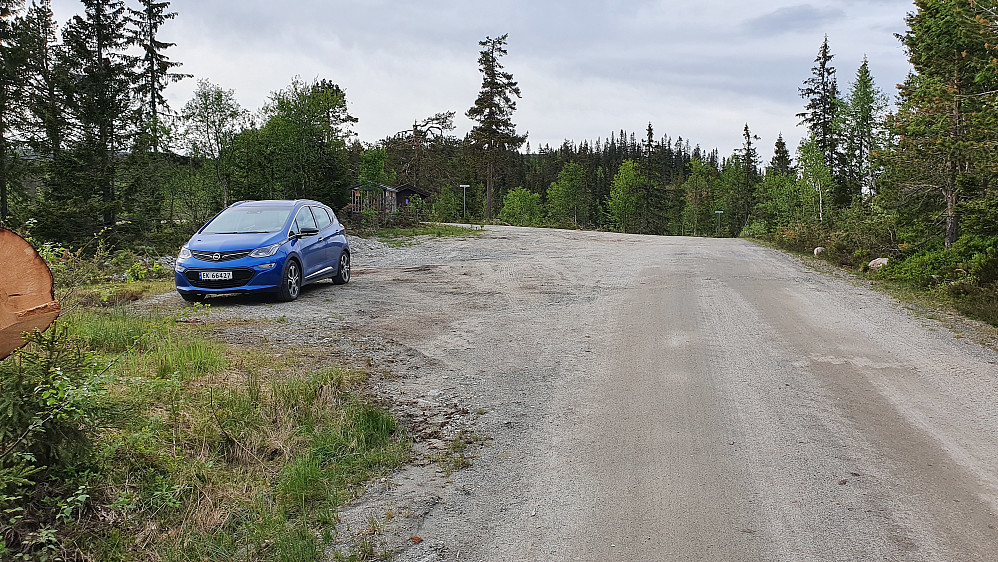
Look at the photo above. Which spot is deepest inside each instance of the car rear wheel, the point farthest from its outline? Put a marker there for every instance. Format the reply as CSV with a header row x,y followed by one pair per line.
x,y
290,282
343,275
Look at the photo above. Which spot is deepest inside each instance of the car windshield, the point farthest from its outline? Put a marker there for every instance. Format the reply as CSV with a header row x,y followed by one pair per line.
x,y
247,220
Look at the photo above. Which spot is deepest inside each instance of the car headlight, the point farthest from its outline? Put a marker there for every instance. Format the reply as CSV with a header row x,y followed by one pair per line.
x,y
266,251
185,253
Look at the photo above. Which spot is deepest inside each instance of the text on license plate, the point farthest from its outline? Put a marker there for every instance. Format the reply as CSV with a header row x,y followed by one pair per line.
x,y
215,275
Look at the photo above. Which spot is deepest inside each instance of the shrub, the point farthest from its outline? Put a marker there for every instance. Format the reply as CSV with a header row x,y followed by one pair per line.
x,y
520,207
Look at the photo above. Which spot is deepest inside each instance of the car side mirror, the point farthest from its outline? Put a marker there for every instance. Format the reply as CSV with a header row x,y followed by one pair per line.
x,y
308,231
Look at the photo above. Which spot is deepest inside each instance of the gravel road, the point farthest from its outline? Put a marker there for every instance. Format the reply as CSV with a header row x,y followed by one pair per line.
x,y
647,398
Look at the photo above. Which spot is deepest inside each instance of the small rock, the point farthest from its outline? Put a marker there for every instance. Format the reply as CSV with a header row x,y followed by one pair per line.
x,y
877,264
819,250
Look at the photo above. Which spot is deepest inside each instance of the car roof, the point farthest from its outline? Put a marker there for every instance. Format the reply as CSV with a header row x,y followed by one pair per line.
x,y
276,203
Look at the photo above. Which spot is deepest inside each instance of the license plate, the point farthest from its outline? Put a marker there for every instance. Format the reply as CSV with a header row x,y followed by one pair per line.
x,y
215,275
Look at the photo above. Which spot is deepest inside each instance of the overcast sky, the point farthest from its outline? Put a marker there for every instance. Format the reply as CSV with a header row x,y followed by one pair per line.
x,y
699,69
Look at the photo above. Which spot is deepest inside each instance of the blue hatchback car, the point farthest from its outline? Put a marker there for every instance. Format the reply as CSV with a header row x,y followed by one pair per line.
x,y
272,246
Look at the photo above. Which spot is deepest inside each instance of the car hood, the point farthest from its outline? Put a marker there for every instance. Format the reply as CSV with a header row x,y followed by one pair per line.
x,y
233,242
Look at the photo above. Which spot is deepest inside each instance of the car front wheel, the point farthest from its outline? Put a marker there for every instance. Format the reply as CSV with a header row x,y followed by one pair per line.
x,y
343,275
290,282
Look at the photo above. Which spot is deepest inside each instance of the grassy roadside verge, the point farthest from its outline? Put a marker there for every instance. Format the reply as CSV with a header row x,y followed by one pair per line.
x,y
943,300
132,435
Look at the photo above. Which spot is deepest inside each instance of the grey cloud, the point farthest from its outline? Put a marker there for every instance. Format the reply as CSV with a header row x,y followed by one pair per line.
x,y
792,19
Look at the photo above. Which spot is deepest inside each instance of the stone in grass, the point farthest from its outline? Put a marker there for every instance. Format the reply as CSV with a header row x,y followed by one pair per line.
x,y
877,264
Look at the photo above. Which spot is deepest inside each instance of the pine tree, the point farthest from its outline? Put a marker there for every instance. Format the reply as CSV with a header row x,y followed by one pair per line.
x,y
943,120
495,133
821,111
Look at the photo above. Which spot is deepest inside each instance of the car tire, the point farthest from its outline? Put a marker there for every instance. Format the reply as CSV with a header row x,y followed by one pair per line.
x,y
192,297
343,273
290,281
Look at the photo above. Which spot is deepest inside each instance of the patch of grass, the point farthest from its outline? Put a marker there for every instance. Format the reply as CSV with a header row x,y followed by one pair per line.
x,y
208,451
457,456
980,303
405,236
111,294
107,331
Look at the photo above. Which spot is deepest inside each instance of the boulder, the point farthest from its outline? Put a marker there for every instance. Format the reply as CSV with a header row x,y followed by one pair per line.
x,y
877,264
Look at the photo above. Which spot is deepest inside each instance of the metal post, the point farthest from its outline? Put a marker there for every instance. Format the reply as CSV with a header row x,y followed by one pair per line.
x,y
717,233
464,206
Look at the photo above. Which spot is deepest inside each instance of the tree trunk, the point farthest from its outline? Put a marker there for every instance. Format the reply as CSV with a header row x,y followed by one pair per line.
x,y
489,184
952,221
26,298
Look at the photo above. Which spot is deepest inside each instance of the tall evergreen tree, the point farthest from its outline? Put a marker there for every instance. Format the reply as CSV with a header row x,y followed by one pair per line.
x,y
862,129
47,81
495,133
742,200
781,163
821,111
100,101
11,86
155,67
942,122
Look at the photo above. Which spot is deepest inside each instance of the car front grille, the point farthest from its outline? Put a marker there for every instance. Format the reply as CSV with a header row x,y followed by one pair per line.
x,y
240,277
222,256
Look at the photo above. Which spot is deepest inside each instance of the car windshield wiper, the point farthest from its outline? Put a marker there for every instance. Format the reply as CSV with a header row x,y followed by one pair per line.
x,y
242,232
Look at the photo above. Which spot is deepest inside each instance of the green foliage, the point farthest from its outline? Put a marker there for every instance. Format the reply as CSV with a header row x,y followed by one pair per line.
x,y
821,113
47,400
372,168
448,206
522,208
567,199
699,206
622,203
861,124
972,261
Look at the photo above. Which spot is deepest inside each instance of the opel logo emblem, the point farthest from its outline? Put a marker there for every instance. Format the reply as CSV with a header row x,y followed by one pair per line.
x,y
216,256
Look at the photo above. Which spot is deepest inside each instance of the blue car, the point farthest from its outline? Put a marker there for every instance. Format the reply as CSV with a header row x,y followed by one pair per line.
x,y
264,247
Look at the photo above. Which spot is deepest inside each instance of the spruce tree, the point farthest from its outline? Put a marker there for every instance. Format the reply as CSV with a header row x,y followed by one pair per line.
x,y
821,111
11,86
100,102
495,134
155,67
781,162
861,127
46,81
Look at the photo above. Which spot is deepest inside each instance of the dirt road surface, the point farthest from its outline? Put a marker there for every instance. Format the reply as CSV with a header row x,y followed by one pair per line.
x,y
645,398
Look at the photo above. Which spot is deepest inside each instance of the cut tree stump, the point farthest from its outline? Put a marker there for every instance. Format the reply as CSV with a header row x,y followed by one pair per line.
x,y
27,299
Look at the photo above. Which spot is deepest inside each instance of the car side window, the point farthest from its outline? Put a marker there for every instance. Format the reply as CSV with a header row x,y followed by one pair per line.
x,y
321,217
304,219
